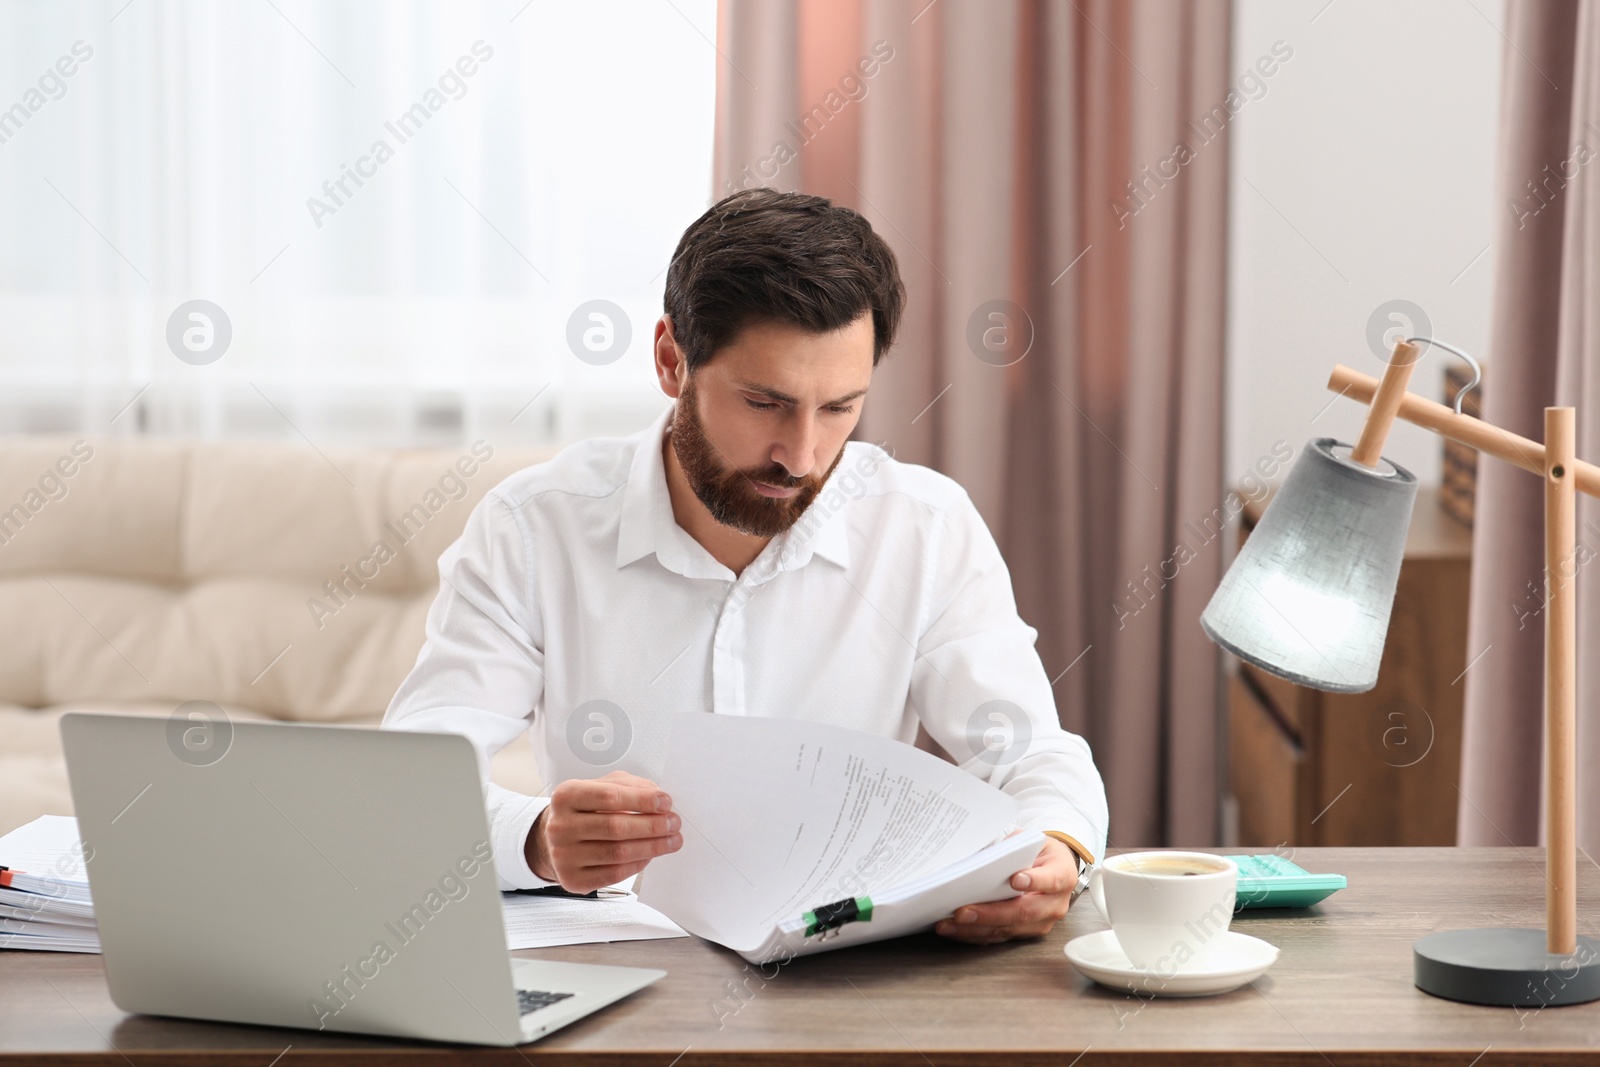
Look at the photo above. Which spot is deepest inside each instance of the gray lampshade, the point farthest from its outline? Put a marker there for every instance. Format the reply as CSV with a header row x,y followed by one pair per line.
x,y
1309,595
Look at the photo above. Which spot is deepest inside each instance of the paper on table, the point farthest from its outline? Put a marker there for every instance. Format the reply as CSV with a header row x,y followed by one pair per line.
x,y
45,910
36,943
782,815
48,846
539,922
47,906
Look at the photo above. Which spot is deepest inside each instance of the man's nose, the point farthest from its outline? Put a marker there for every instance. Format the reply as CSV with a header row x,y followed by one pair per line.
x,y
796,451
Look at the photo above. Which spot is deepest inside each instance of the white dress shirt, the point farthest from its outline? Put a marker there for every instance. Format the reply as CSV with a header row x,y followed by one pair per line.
x,y
573,603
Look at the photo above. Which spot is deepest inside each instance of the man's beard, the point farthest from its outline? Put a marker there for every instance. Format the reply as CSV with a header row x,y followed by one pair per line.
x,y
729,494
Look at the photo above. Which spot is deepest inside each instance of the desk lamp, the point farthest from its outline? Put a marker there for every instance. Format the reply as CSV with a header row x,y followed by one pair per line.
x,y
1308,599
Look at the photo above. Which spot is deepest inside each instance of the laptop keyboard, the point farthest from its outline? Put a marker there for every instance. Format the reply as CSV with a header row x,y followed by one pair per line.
x,y
531,1000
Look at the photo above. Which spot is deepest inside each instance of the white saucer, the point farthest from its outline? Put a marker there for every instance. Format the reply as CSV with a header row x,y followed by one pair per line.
x,y
1237,959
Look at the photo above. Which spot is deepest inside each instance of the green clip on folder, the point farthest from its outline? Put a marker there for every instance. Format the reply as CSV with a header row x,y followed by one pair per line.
x,y
849,910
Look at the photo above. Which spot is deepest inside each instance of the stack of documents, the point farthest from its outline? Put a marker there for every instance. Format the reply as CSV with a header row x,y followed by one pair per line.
x,y
809,837
45,904
44,889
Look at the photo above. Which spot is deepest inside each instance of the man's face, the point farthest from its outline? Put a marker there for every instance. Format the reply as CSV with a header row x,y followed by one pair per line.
x,y
761,425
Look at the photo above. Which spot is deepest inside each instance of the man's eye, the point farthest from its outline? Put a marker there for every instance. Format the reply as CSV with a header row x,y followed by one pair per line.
x,y
757,405
839,409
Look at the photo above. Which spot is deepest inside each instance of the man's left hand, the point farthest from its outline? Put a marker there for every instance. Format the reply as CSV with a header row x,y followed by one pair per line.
x,y
1047,890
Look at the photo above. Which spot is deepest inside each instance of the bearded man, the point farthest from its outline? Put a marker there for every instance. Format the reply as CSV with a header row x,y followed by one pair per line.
x,y
742,556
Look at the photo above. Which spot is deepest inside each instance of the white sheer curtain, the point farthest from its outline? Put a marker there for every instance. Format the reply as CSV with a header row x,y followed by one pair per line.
x,y
536,156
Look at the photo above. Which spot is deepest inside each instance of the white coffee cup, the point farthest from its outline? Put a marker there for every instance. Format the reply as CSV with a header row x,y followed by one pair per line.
x,y
1168,910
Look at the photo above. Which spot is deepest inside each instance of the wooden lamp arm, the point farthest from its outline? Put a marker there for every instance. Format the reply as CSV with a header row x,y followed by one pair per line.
x,y
1385,404
1484,436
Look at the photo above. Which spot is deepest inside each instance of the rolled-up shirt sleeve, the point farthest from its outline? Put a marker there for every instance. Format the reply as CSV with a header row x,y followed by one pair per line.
x,y
481,669
983,694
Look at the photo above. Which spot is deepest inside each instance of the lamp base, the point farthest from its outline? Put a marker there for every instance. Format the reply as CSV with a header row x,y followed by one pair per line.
x,y
1505,967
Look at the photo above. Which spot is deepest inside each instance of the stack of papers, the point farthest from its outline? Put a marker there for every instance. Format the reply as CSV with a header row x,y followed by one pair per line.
x,y
810,837
45,903
44,889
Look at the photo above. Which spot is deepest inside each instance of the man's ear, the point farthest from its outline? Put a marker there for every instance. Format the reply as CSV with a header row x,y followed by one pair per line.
x,y
672,366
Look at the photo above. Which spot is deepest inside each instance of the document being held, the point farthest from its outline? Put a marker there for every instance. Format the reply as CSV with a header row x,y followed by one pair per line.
x,y
800,837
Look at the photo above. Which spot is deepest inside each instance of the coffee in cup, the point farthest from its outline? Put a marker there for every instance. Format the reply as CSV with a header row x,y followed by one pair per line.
x,y
1168,910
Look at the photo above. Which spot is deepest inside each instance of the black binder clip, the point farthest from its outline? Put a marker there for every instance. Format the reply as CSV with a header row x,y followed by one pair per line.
x,y
827,919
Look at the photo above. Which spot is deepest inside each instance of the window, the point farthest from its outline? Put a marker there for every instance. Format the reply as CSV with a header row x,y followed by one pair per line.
x,y
397,208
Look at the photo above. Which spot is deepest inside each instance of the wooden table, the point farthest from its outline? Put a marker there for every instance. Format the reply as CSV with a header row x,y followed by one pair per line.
x,y
1341,993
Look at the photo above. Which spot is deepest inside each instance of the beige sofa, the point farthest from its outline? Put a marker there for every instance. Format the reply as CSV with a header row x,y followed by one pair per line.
x,y
273,580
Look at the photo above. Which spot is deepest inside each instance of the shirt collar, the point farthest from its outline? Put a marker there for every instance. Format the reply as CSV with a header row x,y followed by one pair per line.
x,y
648,526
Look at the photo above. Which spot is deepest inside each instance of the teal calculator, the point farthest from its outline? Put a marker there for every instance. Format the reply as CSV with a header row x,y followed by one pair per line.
x,y
1271,881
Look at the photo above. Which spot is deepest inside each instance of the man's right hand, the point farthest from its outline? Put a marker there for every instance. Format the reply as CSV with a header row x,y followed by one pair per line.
x,y
597,831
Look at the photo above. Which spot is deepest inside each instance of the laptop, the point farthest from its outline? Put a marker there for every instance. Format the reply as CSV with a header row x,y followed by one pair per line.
x,y
313,876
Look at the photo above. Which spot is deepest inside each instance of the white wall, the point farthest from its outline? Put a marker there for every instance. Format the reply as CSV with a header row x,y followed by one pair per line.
x,y
1368,155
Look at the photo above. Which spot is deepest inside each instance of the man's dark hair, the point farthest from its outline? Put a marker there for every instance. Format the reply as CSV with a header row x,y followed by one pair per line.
x,y
762,256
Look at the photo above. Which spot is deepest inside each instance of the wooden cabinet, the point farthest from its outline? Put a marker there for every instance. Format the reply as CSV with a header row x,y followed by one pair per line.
x,y
1375,768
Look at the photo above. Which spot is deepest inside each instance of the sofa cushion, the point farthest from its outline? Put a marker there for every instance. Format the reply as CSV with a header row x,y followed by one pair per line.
x,y
282,579
92,508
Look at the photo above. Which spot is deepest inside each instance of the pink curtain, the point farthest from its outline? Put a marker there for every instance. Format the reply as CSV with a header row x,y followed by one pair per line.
x,y
1061,354
1545,350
